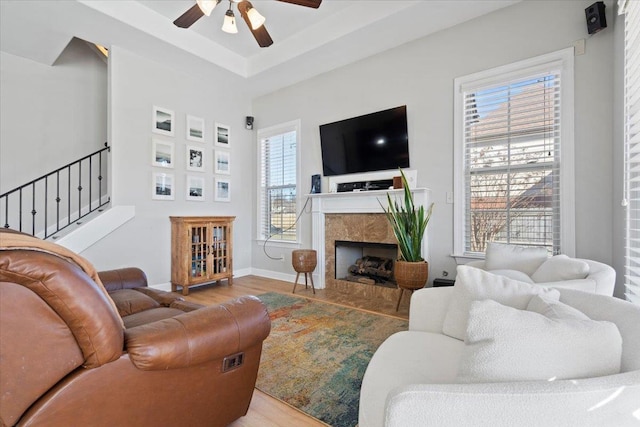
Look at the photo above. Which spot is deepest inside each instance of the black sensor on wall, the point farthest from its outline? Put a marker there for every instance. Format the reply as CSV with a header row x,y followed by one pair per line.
x,y
316,184
596,18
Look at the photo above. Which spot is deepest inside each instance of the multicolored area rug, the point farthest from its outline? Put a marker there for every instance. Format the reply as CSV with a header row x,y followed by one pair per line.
x,y
315,357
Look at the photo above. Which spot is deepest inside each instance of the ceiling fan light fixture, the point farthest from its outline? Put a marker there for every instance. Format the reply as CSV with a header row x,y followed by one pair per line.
x,y
229,24
255,18
207,6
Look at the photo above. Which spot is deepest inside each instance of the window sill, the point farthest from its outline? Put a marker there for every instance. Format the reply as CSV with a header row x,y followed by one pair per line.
x,y
279,243
462,259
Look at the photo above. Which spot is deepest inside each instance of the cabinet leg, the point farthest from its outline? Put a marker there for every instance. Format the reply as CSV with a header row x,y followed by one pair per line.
x,y
230,281
185,290
174,287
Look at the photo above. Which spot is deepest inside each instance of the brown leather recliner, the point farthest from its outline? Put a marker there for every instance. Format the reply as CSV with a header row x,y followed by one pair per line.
x,y
67,360
138,304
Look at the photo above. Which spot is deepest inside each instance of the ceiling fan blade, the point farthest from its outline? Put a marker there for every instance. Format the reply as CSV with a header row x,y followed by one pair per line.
x,y
307,3
261,34
189,17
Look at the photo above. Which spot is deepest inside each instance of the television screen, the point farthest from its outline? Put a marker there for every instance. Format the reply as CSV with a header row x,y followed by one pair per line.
x,y
373,142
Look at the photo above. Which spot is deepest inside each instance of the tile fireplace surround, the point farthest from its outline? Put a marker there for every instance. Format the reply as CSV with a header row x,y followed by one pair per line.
x,y
357,217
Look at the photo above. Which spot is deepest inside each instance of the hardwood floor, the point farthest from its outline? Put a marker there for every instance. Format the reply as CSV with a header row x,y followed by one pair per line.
x,y
255,285
265,411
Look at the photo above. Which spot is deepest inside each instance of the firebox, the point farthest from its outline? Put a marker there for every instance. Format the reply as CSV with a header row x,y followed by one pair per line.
x,y
365,262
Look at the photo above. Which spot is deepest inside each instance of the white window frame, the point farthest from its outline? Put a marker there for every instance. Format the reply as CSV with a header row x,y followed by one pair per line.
x,y
563,58
631,122
278,129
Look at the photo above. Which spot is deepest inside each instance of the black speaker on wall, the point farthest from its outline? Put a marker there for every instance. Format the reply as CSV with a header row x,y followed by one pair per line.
x,y
248,124
596,18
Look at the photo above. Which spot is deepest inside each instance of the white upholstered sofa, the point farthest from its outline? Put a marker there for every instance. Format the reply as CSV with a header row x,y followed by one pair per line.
x,y
532,265
413,379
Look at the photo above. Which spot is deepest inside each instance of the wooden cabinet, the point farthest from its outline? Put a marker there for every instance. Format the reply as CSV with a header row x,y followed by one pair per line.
x,y
201,250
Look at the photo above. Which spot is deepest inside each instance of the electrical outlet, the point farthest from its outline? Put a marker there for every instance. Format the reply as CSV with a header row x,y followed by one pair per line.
x,y
579,47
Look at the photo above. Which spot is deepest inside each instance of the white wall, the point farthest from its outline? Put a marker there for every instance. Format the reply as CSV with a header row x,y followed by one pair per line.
x,y
136,85
67,103
420,74
50,115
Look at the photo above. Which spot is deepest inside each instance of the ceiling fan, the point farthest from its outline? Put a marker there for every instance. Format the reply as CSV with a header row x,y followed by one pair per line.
x,y
254,20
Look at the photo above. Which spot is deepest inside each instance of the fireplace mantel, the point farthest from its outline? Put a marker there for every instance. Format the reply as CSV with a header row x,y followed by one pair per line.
x,y
350,203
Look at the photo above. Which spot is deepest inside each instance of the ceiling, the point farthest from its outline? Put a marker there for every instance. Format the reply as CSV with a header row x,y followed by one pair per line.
x,y
307,41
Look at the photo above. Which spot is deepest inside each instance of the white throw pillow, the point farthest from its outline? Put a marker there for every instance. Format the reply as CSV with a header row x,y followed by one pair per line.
x,y
554,309
560,267
499,256
476,284
513,274
506,344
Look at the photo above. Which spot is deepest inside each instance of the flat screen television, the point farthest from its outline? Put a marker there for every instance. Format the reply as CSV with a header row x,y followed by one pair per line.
x,y
373,142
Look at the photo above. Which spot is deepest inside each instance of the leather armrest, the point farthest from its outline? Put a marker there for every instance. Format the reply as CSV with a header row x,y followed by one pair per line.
x,y
163,298
198,336
123,278
183,305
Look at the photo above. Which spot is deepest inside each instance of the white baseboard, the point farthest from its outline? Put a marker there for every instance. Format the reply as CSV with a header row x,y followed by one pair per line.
x,y
273,275
285,277
167,285
162,286
242,272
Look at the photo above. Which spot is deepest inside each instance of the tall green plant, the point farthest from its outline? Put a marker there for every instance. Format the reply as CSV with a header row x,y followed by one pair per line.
x,y
408,223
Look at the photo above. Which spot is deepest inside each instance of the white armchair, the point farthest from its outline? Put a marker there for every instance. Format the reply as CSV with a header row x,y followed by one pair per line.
x,y
532,265
601,278
411,379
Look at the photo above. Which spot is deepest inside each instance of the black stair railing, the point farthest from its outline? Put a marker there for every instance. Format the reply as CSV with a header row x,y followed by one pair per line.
x,y
49,204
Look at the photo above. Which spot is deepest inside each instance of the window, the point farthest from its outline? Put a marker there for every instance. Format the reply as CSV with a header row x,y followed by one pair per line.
x,y
631,9
278,182
514,156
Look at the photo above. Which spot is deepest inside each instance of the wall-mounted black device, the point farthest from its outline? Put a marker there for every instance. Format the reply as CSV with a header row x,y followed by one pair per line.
x,y
596,18
443,282
382,184
316,185
248,122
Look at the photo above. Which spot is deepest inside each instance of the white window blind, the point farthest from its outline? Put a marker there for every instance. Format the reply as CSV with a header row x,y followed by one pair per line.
x,y
631,9
509,136
278,183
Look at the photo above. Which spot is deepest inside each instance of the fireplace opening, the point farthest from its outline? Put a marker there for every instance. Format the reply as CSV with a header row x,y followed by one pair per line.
x,y
365,262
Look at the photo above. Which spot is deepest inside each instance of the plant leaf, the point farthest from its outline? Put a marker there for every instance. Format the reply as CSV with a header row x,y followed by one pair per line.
x,y
408,223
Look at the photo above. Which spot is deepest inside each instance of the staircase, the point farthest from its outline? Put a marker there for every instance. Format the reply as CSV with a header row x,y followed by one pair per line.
x,y
52,203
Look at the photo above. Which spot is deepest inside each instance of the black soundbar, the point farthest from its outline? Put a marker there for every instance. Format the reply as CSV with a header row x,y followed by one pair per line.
x,y
383,184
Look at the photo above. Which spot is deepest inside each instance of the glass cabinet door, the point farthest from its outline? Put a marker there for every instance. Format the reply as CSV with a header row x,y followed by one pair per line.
x,y
219,248
199,251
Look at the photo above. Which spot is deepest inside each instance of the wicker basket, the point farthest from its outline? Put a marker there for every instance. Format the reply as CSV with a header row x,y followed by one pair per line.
x,y
304,260
411,275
